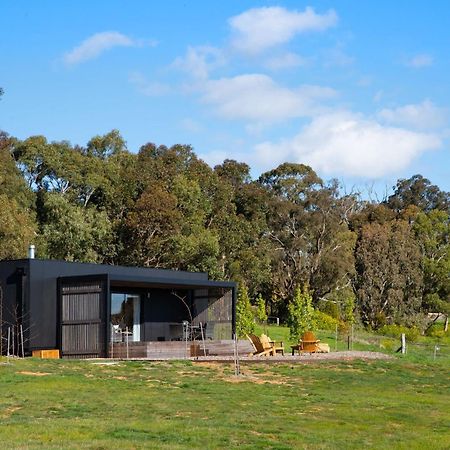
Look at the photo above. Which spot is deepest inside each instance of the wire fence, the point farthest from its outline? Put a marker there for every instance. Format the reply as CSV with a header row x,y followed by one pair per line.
x,y
427,348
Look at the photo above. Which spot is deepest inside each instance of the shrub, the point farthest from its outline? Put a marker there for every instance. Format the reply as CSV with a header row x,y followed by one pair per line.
x,y
329,308
437,331
324,321
387,344
412,334
340,304
439,334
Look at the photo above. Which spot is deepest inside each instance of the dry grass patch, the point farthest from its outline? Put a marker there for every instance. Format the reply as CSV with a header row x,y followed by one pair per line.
x,y
34,374
9,411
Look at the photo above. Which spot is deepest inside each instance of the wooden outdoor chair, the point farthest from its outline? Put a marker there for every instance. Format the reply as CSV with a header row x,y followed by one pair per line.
x,y
267,344
308,344
278,346
261,346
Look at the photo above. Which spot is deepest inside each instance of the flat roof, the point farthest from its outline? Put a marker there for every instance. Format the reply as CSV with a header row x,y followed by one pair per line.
x,y
121,275
121,280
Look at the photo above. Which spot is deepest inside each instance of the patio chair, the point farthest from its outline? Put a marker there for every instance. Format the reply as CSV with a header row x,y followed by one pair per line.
x,y
261,346
308,344
278,346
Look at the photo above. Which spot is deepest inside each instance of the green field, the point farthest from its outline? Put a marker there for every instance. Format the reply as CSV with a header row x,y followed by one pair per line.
x,y
173,405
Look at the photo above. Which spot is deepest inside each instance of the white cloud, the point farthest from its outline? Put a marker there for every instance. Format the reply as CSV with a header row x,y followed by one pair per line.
x,y
256,97
365,81
378,96
423,115
420,60
258,29
191,125
285,61
345,143
98,43
199,61
215,157
337,57
149,88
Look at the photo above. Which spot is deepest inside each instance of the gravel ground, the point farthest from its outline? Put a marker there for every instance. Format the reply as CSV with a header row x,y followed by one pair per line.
x,y
303,358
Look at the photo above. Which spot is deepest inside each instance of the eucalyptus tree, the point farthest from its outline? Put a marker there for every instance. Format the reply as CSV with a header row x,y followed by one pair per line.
x,y
186,219
388,280
245,247
17,219
418,191
73,233
433,234
64,179
17,229
12,183
312,243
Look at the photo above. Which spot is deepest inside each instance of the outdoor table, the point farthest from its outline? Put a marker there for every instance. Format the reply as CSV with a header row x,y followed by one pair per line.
x,y
295,347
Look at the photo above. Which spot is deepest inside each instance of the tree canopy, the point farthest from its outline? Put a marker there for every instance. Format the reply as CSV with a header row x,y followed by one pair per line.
x,y
287,231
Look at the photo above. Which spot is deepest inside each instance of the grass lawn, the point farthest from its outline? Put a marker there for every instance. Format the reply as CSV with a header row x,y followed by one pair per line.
x,y
173,405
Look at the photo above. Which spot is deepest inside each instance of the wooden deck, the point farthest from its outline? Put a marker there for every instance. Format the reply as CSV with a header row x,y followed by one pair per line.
x,y
178,349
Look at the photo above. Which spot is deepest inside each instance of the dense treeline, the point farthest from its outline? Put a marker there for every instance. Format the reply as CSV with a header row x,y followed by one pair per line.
x,y
388,262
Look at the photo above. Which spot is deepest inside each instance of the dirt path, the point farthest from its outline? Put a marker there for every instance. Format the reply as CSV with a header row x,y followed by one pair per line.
x,y
304,358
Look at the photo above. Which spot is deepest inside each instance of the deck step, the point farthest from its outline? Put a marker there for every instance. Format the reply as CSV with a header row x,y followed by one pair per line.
x,y
178,349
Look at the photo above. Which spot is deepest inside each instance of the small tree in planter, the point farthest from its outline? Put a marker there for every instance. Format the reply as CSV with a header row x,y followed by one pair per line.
x,y
300,313
245,323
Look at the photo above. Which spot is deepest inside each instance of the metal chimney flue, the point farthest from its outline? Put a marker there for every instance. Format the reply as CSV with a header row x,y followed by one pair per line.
x,y
31,251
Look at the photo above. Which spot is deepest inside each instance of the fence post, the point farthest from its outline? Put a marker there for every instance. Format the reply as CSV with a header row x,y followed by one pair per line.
x,y
237,369
185,331
112,343
352,338
403,344
21,340
9,341
203,339
436,348
126,335
336,341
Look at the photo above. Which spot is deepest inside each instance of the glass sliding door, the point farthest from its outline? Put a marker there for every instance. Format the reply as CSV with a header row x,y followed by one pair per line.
x,y
125,317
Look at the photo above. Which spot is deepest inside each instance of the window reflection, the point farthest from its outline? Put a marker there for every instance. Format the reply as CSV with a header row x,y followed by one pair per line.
x,y
125,317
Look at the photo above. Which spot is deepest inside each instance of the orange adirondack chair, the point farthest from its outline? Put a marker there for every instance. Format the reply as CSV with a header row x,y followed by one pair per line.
x,y
264,346
308,343
277,346
260,346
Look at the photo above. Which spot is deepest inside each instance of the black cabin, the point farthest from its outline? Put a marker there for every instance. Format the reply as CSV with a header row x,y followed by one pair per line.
x,y
81,308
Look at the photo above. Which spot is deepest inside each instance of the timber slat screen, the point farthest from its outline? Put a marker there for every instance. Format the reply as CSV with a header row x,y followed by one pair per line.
x,y
213,307
82,318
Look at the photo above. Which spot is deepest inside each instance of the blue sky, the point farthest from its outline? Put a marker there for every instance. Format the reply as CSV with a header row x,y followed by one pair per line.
x,y
358,90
